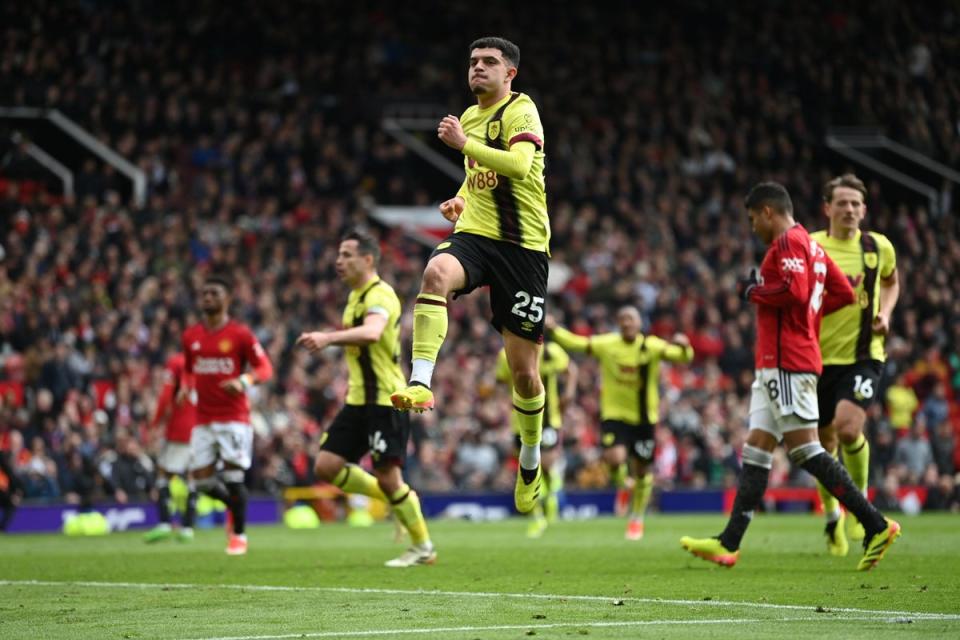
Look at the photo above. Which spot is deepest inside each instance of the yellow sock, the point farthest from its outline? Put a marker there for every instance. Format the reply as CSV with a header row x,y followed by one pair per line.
x,y
353,479
831,506
856,458
641,495
551,507
618,475
537,513
554,481
550,499
429,326
528,416
406,506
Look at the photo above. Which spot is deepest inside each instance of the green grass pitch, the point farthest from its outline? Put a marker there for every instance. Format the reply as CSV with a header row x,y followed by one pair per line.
x,y
581,580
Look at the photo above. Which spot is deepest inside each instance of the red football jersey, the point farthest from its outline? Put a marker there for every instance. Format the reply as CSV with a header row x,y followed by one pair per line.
x,y
798,284
183,416
216,355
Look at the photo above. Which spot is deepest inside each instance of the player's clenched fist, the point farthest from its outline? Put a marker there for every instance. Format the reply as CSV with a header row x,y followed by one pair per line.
x,y
451,133
314,341
452,208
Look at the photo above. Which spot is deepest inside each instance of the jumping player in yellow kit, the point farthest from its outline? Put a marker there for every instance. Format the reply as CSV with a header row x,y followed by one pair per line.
x,y
501,239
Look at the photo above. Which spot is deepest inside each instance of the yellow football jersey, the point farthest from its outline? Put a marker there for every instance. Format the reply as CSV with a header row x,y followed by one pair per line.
x,y
846,336
496,206
375,368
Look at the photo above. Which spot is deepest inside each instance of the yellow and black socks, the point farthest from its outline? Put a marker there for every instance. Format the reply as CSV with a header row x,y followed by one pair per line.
x,y
528,416
618,475
641,496
353,479
406,506
429,331
856,458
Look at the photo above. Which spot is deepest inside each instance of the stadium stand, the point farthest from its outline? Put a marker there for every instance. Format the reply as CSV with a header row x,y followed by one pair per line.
x,y
258,127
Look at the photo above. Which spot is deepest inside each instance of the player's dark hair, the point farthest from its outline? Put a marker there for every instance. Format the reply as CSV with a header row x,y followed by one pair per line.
x,y
848,180
221,279
367,245
769,194
510,51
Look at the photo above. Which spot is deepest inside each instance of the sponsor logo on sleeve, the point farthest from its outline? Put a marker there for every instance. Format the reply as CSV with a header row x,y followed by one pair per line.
x,y
795,265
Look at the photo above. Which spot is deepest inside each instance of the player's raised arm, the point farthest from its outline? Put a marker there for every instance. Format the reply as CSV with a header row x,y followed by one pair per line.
x,y
566,338
678,349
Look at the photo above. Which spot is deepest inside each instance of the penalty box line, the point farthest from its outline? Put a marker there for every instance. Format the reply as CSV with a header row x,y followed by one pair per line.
x,y
874,613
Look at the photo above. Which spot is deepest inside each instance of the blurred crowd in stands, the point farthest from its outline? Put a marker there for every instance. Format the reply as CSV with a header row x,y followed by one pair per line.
x,y
258,127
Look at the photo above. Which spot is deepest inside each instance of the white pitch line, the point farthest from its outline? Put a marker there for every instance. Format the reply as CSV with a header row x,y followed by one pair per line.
x,y
480,594
501,627
524,627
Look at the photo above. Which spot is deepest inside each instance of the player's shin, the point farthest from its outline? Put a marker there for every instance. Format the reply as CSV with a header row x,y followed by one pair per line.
x,y
163,499
406,506
753,482
815,460
856,458
354,479
429,332
641,496
831,507
618,475
238,499
528,415
190,513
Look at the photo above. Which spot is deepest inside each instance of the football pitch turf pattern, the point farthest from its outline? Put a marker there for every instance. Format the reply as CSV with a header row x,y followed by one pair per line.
x,y
582,579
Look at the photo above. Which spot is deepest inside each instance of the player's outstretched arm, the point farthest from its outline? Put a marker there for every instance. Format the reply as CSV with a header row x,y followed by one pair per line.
x,y
678,349
566,338
361,336
569,394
